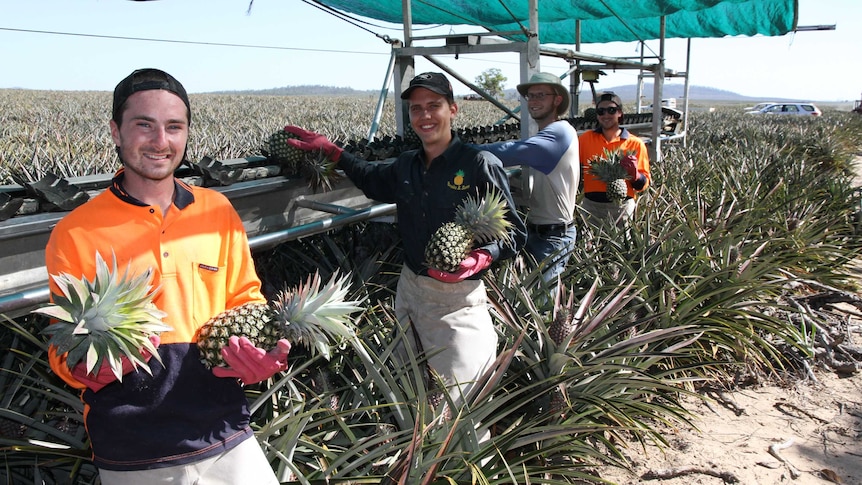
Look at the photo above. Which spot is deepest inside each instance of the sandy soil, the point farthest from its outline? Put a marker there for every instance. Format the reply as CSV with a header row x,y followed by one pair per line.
x,y
804,432
814,427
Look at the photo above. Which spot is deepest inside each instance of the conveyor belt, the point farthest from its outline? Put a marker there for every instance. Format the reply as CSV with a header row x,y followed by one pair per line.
x,y
274,208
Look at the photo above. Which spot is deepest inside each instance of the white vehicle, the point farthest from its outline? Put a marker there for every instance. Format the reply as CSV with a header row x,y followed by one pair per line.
x,y
759,106
797,109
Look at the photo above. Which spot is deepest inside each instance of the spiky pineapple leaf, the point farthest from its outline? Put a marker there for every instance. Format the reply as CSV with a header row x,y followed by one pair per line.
x,y
103,319
316,317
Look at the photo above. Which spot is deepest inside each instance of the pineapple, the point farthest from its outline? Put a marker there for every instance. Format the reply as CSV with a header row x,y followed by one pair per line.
x,y
607,168
249,320
100,321
316,167
476,220
291,158
314,317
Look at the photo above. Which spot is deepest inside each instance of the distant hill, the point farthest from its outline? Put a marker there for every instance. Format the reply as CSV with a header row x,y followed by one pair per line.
x,y
677,90
307,90
628,93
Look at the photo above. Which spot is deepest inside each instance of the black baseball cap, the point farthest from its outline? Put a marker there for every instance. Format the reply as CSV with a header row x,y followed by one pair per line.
x,y
143,80
610,96
432,81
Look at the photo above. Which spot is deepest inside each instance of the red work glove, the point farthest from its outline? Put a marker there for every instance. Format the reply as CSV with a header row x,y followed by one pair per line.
x,y
630,164
475,262
310,141
252,364
105,375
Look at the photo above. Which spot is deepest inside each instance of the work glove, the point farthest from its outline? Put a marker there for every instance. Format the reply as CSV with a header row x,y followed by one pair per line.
x,y
105,375
476,261
630,165
252,364
310,141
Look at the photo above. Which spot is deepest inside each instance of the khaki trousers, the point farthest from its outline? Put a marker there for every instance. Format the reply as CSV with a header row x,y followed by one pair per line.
x,y
451,323
245,464
608,214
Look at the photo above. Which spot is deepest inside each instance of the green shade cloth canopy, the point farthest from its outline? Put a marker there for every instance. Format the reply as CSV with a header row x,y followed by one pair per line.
x,y
602,21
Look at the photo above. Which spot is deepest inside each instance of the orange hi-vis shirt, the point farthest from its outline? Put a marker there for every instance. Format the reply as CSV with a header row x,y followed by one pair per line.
x,y
593,142
202,266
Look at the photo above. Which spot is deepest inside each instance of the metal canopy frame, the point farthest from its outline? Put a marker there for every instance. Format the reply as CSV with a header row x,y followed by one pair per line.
x,y
402,67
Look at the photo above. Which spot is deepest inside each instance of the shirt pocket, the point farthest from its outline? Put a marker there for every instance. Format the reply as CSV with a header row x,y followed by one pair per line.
x,y
210,290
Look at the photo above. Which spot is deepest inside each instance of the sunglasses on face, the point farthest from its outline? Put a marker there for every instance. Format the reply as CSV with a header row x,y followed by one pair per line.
x,y
610,110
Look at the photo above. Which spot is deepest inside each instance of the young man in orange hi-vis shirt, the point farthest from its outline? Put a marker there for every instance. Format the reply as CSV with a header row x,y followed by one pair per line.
x,y
184,423
598,208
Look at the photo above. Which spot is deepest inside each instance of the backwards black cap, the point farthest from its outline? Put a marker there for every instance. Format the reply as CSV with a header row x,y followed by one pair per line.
x,y
144,80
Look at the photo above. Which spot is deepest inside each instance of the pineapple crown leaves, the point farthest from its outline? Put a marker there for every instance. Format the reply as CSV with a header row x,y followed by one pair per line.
x,y
320,171
485,216
607,167
102,319
317,317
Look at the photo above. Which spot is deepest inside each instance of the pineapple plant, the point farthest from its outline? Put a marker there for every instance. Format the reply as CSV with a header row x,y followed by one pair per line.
x,y
310,315
477,220
607,168
559,329
103,319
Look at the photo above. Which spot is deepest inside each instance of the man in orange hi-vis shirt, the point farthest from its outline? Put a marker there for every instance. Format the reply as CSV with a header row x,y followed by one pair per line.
x,y
598,208
184,423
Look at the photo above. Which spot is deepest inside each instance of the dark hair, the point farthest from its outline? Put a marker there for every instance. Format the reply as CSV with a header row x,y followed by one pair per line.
x,y
143,80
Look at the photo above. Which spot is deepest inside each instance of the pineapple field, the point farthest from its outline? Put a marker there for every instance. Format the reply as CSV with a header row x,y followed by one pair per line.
x,y
725,279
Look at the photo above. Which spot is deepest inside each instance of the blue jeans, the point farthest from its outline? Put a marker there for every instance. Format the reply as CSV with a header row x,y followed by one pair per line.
x,y
551,250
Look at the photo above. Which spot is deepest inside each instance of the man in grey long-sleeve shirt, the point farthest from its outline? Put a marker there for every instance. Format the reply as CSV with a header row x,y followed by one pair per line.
x,y
549,160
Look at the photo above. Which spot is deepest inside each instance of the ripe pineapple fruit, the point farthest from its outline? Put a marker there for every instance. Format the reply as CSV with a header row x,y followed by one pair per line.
x,y
316,167
106,318
314,317
477,220
249,320
607,168
289,157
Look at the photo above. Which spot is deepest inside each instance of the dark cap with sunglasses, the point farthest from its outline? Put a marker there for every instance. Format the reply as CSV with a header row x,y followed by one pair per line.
x,y
612,97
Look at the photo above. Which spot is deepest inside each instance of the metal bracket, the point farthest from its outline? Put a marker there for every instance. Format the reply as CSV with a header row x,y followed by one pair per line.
x,y
56,190
218,171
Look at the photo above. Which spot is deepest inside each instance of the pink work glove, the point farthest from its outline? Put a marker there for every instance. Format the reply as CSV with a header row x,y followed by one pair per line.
x,y
630,165
252,364
475,262
105,375
310,141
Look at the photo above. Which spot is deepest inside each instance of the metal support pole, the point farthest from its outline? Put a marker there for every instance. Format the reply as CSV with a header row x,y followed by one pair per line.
x,y
381,100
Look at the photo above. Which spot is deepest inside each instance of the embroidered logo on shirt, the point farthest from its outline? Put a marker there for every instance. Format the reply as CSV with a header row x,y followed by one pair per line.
x,y
457,182
207,267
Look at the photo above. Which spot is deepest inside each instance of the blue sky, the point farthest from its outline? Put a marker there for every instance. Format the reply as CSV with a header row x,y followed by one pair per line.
x,y
298,44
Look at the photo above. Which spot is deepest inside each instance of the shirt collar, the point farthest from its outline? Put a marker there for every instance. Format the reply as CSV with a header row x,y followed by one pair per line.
x,y
183,195
624,133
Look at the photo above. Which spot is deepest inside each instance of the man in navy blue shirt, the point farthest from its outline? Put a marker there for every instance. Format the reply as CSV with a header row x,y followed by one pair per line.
x,y
447,313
